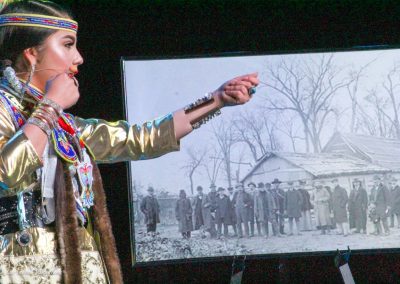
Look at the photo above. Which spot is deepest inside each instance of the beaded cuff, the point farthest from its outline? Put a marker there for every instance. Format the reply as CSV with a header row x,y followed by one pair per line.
x,y
52,104
41,124
207,99
205,119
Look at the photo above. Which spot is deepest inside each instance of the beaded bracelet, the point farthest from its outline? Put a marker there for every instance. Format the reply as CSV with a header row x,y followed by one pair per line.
x,y
207,99
41,124
50,114
46,115
205,119
42,116
47,102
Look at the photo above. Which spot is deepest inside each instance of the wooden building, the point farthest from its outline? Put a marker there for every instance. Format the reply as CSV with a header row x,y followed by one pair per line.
x,y
287,166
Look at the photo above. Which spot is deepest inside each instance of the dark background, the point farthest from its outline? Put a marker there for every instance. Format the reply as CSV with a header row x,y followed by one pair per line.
x,y
111,29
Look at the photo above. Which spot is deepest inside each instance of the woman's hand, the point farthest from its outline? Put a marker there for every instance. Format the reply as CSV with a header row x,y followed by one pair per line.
x,y
237,90
63,90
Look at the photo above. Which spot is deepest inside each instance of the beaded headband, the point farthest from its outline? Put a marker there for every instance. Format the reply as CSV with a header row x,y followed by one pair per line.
x,y
37,20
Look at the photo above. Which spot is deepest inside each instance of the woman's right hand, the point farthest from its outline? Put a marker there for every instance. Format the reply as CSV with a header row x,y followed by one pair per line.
x,y
63,90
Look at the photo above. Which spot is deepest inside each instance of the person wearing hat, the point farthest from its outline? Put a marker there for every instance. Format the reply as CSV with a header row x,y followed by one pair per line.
x,y
306,206
321,199
293,201
183,213
358,206
340,199
209,208
222,213
232,217
279,196
380,200
198,209
261,209
395,201
253,193
151,210
273,209
241,201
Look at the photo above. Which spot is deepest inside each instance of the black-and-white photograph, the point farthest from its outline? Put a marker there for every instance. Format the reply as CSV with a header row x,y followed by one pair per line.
x,y
311,164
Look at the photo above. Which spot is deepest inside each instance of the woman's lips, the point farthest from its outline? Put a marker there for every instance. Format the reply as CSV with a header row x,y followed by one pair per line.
x,y
73,69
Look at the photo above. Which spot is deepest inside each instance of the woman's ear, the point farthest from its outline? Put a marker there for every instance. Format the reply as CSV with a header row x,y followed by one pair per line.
x,y
31,56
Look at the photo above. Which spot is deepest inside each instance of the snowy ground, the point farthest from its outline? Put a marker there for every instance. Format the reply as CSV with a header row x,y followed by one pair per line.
x,y
310,241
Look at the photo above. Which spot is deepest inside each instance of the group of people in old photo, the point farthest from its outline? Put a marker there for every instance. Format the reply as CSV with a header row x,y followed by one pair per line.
x,y
276,208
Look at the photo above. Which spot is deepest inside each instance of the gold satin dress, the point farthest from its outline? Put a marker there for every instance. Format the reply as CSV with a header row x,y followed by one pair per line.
x,y
108,142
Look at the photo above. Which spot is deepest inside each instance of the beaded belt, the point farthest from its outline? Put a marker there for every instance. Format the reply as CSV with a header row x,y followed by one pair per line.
x,y
9,213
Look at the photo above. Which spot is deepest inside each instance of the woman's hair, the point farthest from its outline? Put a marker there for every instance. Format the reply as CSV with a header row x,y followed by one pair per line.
x,y
15,39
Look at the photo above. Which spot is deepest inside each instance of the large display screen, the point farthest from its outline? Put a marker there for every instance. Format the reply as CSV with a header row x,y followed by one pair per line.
x,y
310,164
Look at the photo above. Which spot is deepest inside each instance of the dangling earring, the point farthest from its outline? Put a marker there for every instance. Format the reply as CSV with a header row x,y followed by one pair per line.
x,y
33,66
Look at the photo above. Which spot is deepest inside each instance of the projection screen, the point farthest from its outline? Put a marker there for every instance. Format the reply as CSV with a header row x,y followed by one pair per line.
x,y
317,150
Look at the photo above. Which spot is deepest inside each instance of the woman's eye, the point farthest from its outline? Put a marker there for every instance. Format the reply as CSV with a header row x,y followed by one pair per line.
x,y
69,44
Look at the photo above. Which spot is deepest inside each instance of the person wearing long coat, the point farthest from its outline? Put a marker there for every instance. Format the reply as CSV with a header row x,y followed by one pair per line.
x,y
261,210
293,201
279,196
358,205
306,206
222,213
151,210
231,195
252,192
339,207
197,207
183,213
242,201
322,198
395,202
380,201
273,209
209,207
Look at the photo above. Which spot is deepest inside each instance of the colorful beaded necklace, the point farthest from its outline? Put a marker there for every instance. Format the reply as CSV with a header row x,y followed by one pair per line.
x,y
65,136
68,145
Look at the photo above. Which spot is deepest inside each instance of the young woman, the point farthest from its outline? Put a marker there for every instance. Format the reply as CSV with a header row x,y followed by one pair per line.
x,y
54,225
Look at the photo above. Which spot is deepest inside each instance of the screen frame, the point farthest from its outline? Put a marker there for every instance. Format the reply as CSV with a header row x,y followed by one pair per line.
x,y
289,255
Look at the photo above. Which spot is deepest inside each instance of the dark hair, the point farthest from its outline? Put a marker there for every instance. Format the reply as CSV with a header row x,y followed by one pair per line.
x,y
15,39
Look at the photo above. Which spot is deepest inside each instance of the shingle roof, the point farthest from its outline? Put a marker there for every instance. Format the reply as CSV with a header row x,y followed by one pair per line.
x,y
381,151
322,165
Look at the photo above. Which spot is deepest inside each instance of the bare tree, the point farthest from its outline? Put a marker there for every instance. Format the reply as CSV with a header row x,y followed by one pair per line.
x,y
225,137
391,86
353,92
306,87
192,164
213,164
381,114
378,120
257,132
290,129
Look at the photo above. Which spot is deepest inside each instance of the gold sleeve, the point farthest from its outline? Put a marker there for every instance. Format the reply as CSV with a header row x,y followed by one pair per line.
x,y
18,158
118,141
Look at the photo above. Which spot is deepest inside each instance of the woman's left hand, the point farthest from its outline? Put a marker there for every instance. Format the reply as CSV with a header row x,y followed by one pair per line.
x,y
237,90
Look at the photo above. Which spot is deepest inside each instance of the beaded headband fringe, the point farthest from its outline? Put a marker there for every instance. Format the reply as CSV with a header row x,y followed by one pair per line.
x,y
37,20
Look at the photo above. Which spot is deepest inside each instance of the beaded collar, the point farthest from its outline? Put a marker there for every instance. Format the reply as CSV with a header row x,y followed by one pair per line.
x,y
68,145
65,134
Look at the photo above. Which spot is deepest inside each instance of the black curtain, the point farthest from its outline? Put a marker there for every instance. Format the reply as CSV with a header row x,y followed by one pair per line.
x,y
110,29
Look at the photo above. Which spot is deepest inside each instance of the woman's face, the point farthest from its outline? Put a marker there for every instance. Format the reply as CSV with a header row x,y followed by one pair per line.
x,y
58,54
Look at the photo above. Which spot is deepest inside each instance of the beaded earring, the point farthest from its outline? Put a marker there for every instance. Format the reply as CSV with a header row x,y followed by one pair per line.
x,y
33,66
12,79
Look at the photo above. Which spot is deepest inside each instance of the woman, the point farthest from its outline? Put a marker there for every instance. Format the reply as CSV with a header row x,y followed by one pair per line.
x,y
183,213
54,222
